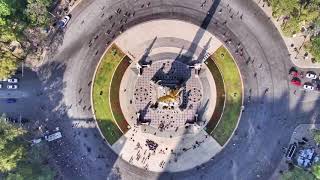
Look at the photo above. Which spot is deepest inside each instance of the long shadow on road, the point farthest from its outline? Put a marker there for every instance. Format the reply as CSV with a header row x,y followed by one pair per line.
x,y
81,152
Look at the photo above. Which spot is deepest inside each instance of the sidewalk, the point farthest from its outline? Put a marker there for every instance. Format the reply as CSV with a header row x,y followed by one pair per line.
x,y
303,130
294,44
73,4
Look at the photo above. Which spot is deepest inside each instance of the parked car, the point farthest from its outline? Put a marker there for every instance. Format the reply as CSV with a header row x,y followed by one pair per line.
x,y
12,86
311,75
296,82
11,100
0,86
12,80
295,74
308,87
63,22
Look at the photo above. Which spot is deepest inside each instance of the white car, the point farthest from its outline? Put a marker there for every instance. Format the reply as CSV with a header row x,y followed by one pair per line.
x,y
63,22
12,86
12,80
311,75
0,86
308,87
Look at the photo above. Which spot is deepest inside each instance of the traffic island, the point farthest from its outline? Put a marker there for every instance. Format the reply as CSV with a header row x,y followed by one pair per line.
x,y
166,100
108,124
233,94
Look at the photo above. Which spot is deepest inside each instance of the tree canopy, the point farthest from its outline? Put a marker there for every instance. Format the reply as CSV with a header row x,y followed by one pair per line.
x,y
34,166
315,47
8,67
12,147
297,13
297,174
316,170
15,17
17,159
35,12
316,136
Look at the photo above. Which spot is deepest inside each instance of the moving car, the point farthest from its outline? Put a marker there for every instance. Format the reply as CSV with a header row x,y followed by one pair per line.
x,y
12,86
308,87
11,100
63,22
311,75
53,136
12,80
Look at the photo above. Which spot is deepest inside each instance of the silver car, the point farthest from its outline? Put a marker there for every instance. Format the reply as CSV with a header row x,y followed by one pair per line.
x,y
311,75
12,86
308,87
12,80
63,22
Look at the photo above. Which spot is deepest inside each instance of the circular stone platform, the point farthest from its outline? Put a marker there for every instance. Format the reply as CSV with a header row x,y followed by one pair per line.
x,y
155,82
167,95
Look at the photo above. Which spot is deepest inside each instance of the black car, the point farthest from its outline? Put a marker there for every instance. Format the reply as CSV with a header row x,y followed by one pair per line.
x,y
11,100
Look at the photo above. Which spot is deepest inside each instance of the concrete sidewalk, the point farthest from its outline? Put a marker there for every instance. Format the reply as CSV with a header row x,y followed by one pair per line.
x,y
135,41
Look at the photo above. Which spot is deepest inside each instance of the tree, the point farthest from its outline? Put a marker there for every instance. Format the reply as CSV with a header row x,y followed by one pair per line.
x,y
12,147
316,136
315,48
298,13
19,161
7,67
316,170
34,166
37,13
297,174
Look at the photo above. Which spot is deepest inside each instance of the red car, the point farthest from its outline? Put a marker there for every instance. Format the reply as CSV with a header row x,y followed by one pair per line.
x,y
295,74
296,82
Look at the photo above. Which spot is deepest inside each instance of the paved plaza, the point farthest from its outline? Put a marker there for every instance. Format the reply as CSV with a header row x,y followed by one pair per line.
x,y
167,67
172,154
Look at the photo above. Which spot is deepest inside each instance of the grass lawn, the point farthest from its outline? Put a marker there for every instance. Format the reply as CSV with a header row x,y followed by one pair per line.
x,y
101,89
220,95
233,89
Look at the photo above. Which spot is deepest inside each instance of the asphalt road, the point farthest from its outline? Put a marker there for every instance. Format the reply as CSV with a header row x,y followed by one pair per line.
x,y
265,126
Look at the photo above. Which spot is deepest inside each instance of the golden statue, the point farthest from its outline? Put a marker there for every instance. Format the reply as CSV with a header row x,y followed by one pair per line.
x,y
171,97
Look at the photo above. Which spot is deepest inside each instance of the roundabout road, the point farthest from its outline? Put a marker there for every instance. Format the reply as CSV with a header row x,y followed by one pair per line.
x,y
265,126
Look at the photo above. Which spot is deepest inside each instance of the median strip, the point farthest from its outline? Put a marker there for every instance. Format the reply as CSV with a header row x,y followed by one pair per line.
x,y
101,94
233,93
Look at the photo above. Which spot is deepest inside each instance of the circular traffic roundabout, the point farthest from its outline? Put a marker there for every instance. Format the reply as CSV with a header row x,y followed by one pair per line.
x,y
179,88
173,101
